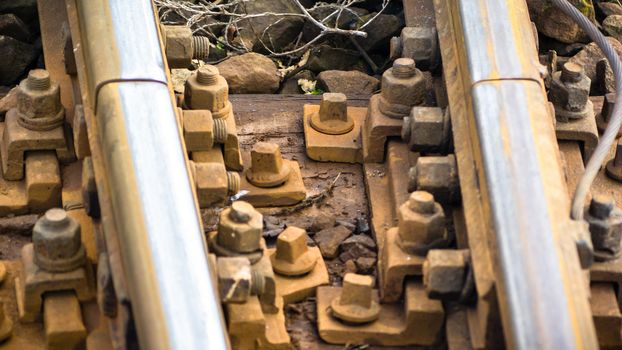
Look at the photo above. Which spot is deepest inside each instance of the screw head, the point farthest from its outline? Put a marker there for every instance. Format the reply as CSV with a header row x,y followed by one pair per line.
x,y
292,256
356,302
332,119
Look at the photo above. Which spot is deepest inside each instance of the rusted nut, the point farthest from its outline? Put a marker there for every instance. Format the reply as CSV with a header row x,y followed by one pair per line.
x,y
418,43
213,183
613,168
38,102
445,273
602,119
427,129
605,225
207,89
332,118
403,86
569,93
202,131
356,303
180,46
437,175
239,232
421,224
90,197
267,166
234,279
57,242
395,48
292,256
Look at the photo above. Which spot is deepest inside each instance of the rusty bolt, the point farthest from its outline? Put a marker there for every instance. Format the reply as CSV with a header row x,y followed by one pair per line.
x,y
614,166
234,279
421,224
57,242
207,89
6,325
267,166
213,183
403,86
427,129
437,175
333,118
292,256
569,92
202,131
602,119
38,102
605,225
444,273
356,302
181,46
239,230
418,43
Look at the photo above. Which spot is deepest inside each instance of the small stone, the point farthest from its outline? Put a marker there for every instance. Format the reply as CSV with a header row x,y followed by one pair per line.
x,y
613,26
610,8
329,240
358,246
380,30
590,55
350,266
362,225
325,57
365,265
12,26
348,82
324,220
25,9
250,73
7,102
555,24
16,57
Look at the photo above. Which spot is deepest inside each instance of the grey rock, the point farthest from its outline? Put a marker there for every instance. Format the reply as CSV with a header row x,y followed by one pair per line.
x,y
16,57
365,265
357,246
12,26
322,221
178,78
553,23
329,240
610,8
347,20
588,59
325,57
250,73
613,26
380,30
348,82
25,9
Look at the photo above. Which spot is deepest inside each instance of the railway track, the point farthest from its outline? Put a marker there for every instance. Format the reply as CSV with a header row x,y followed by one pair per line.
x,y
182,221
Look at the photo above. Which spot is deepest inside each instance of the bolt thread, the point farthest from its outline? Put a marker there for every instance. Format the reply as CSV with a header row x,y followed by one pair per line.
x,y
404,68
571,72
207,75
200,46
233,183
38,79
258,283
220,130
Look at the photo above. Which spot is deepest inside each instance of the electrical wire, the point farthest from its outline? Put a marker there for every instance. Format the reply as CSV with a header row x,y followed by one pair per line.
x,y
606,141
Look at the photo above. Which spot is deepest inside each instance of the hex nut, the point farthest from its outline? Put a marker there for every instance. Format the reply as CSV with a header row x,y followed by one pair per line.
x,y
177,40
38,102
292,256
444,273
207,89
267,166
57,242
332,118
437,175
421,224
239,230
427,129
569,93
198,126
403,86
420,44
605,226
356,303
234,279
213,183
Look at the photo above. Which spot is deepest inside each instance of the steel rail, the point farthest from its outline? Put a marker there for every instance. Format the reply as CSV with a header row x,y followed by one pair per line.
x,y
541,291
174,301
